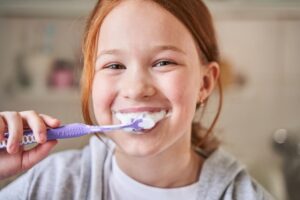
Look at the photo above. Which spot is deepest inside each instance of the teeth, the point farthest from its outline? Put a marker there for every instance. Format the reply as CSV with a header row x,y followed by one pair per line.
x,y
151,118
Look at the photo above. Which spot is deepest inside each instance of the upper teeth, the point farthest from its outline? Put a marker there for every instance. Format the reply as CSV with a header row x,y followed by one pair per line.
x,y
151,118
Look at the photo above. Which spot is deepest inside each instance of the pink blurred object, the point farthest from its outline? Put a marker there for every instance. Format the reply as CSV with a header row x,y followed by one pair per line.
x,y
62,76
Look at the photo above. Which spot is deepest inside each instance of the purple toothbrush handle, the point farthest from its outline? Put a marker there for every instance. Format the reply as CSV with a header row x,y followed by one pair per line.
x,y
71,131
62,132
66,131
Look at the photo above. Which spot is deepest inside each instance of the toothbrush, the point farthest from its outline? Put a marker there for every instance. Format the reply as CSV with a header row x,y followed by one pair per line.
x,y
77,130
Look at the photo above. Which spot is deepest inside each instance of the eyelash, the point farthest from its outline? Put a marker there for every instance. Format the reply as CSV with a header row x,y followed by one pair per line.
x,y
121,67
165,61
115,64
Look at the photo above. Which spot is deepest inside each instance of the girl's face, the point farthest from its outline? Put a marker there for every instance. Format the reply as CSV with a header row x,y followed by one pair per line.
x,y
147,61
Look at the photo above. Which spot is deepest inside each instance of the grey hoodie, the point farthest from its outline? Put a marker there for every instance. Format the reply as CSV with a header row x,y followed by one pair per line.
x,y
83,174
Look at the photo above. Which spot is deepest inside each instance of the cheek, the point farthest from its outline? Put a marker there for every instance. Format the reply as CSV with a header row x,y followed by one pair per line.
x,y
182,92
181,89
102,97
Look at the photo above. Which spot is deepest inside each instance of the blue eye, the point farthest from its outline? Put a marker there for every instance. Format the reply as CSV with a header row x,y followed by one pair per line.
x,y
163,63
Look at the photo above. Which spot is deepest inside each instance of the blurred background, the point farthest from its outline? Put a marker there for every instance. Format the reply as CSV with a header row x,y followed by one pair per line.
x,y
40,54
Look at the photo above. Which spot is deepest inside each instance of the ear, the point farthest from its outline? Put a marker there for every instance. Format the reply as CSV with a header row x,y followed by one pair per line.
x,y
210,76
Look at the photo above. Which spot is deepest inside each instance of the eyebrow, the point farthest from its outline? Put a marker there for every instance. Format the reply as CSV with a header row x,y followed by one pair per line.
x,y
155,49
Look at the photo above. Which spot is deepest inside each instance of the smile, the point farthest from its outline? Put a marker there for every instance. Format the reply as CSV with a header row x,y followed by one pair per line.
x,y
155,117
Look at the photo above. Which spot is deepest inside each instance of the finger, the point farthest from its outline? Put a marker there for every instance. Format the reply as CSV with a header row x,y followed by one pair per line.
x,y
50,121
2,128
36,124
15,130
33,156
9,164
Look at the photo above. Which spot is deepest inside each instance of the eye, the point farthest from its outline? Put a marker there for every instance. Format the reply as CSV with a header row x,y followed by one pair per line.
x,y
115,66
163,63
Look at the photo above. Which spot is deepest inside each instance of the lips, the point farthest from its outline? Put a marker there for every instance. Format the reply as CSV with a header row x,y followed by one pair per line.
x,y
154,115
141,109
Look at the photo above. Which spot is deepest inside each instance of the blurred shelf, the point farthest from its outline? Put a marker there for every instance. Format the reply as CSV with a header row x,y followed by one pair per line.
x,y
46,8
49,96
81,8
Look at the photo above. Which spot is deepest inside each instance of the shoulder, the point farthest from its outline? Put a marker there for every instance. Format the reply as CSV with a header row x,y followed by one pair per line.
x,y
63,175
60,165
71,165
223,177
76,158
73,159
245,187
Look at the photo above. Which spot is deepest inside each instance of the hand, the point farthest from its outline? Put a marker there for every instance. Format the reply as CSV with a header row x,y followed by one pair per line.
x,y
14,159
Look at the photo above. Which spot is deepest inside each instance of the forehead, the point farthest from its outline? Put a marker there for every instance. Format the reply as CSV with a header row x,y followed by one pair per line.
x,y
140,24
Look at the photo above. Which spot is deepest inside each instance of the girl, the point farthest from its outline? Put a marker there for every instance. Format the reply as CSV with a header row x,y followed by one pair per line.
x,y
140,56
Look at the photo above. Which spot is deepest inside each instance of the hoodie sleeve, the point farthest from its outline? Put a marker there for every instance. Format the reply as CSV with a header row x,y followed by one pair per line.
x,y
18,189
244,187
60,176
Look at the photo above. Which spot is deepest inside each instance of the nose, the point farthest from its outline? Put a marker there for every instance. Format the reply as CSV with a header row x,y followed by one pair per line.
x,y
137,85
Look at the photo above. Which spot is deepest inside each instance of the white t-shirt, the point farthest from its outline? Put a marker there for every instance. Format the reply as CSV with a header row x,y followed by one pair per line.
x,y
121,186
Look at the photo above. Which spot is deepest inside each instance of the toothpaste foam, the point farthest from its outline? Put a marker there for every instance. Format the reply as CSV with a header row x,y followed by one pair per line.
x,y
149,119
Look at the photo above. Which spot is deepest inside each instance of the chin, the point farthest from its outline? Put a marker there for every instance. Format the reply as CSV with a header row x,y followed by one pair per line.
x,y
137,148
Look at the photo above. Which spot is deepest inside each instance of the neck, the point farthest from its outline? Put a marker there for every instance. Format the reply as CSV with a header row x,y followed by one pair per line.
x,y
168,169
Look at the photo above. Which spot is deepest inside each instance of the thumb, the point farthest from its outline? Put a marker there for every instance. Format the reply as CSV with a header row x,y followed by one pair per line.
x,y
35,155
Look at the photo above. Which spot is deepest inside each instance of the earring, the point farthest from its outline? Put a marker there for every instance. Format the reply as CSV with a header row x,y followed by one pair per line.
x,y
202,104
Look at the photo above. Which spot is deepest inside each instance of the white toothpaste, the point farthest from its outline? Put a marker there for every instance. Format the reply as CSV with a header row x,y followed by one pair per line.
x,y
149,119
